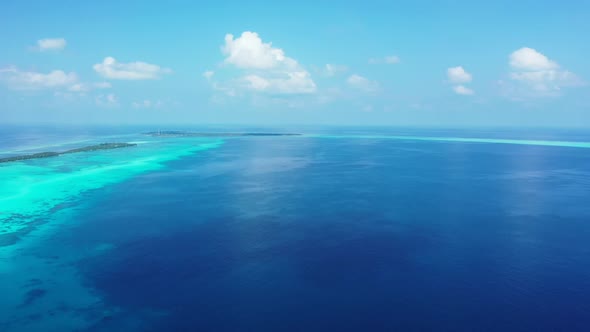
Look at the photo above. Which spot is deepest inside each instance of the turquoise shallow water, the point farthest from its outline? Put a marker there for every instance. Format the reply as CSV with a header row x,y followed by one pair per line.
x,y
39,198
557,143
32,189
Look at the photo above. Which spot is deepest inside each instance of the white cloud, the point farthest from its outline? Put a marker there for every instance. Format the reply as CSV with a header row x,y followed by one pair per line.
x,y
249,52
51,44
535,75
331,69
462,90
298,82
458,75
228,88
264,68
256,82
62,83
389,60
108,100
545,79
368,108
85,87
78,87
208,74
110,68
147,104
357,80
530,60
30,80
362,83
102,85
66,96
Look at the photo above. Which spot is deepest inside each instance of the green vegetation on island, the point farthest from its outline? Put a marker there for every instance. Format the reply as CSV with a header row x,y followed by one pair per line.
x,y
174,133
102,146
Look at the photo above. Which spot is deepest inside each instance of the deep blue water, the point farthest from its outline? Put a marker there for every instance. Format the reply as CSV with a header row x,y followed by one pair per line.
x,y
351,234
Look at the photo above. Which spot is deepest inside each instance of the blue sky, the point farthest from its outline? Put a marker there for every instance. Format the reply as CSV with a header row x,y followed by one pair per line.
x,y
452,64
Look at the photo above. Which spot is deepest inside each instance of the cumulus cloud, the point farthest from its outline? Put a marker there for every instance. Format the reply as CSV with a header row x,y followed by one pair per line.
x,y
85,87
107,100
264,68
102,85
147,104
51,44
530,60
331,69
30,80
388,60
458,75
62,83
535,75
295,82
362,83
462,90
208,74
78,87
111,69
249,52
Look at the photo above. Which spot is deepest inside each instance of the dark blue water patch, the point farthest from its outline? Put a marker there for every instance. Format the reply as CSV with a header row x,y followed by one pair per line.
x,y
346,235
32,296
307,281
204,271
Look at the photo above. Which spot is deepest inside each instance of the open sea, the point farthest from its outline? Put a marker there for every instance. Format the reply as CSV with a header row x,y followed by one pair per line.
x,y
339,229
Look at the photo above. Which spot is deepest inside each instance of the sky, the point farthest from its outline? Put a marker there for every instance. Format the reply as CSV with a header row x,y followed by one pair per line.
x,y
389,63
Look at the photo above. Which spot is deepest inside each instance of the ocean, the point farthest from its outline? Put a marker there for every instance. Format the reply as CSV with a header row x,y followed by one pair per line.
x,y
338,229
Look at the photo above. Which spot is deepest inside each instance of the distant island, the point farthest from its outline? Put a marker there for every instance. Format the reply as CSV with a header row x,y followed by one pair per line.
x,y
174,133
102,146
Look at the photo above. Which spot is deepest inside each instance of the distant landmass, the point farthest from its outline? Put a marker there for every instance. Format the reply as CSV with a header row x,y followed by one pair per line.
x,y
174,133
102,146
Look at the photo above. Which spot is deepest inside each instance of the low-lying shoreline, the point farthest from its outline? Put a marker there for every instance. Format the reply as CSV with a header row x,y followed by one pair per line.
x,y
102,146
174,133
